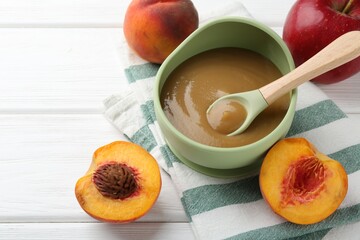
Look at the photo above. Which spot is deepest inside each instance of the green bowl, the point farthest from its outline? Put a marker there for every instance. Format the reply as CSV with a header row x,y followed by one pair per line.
x,y
225,32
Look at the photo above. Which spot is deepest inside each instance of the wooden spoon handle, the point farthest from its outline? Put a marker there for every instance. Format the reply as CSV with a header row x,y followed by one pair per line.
x,y
342,50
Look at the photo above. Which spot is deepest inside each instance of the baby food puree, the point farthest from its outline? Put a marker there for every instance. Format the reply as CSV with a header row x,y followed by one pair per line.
x,y
196,83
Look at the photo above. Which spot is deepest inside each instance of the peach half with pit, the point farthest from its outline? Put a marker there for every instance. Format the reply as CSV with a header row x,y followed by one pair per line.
x,y
121,185
301,184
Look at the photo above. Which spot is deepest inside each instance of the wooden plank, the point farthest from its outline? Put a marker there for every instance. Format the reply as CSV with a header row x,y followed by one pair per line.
x,y
73,70
45,13
110,13
46,70
41,158
265,12
355,117
60,59
96,231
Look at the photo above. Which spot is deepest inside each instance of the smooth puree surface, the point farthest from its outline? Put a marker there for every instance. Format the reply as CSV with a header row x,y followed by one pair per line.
x,y
195,84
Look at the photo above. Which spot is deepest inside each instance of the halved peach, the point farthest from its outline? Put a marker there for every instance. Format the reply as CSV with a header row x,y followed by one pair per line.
x,y
121,185
301,184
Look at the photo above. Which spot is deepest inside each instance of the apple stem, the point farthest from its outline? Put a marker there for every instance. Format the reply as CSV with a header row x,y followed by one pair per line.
x,y
348,6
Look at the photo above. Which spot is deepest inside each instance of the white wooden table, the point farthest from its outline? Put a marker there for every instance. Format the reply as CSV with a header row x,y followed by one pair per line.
x,y
58,60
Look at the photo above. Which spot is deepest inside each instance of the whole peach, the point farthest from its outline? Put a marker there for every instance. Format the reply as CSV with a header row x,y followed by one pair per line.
x,y
154,28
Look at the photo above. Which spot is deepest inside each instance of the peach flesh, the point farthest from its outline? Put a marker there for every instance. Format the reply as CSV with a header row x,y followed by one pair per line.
x,y
301,184
103,193
304,181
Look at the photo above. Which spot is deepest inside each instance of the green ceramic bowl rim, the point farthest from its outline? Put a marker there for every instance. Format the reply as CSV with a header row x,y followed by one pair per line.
x,y
205,147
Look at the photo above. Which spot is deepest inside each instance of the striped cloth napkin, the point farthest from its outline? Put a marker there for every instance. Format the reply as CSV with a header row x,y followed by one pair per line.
x,y
234,208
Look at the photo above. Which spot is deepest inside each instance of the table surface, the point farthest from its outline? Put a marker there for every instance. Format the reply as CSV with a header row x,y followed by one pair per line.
x,y
59,61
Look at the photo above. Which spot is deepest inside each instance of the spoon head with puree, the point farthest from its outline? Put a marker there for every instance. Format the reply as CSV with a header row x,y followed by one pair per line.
x,y
232,114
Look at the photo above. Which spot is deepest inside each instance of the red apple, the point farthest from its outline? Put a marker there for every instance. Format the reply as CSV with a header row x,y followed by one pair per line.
x,y
313,24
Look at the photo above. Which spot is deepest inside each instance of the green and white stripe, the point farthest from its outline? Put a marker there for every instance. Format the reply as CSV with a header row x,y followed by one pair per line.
x,y
234,208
